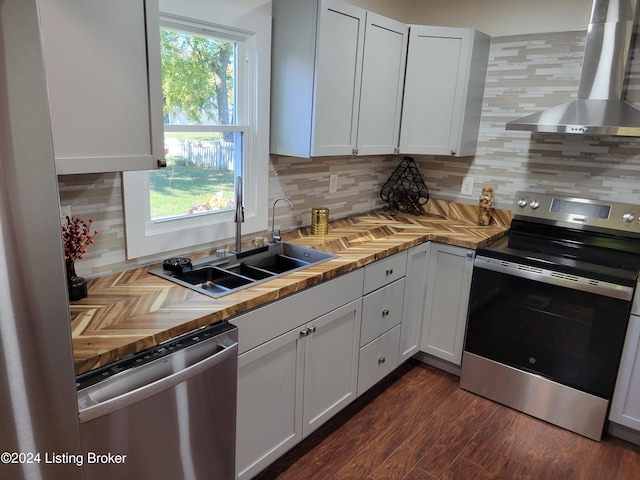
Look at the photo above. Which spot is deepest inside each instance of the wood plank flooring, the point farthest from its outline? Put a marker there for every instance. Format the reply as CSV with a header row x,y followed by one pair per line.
x,y
419,425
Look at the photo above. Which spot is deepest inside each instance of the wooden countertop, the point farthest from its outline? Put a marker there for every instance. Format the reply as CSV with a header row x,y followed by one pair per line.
x,y
133,310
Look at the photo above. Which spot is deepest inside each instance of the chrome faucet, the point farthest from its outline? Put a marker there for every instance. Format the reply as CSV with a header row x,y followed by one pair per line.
x,y
239,218
273,238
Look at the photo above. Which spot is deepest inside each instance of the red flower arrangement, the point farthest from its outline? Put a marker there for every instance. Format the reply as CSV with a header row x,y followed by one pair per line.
x,y
75,237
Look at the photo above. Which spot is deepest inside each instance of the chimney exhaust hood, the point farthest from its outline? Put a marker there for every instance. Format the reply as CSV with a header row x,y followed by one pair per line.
x,y
599,108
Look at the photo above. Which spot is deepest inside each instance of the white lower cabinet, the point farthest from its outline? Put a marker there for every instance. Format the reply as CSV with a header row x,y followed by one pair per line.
x,y
330,365
414,294
446,302
380,334
269,417
292,384
297,368
382,306
625,405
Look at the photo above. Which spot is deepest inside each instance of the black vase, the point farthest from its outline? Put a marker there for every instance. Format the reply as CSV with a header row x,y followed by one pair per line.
x,y
76,285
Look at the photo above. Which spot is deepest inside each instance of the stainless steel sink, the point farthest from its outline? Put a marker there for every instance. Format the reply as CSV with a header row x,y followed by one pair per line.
x,y
215,281
215,276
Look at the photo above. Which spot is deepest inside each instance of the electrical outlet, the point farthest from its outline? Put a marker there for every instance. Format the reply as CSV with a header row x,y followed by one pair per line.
x,y
65,211
333,183
467,186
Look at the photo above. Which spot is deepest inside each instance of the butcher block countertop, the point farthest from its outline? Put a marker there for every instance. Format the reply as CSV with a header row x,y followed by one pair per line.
x,y
130,311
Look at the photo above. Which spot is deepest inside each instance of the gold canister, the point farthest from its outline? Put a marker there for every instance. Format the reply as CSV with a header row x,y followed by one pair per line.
x,y
319,220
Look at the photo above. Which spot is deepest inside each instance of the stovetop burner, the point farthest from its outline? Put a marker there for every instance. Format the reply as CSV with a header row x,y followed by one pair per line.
x,y
557,233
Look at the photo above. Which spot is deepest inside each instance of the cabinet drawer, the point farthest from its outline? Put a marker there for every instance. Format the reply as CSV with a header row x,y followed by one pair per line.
x,y
264,323
381,311
378,359
385,271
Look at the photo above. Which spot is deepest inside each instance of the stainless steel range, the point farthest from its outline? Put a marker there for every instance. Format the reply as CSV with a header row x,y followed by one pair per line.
x,y
549,309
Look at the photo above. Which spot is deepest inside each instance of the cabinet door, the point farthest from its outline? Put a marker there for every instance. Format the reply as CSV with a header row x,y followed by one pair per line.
x,y
447,301
338,73
331,364
104,89
625,405
415,294
444,88
269,416
432,93
383,66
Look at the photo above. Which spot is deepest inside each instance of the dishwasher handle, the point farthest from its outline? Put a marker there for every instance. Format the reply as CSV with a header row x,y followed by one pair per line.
x,y
99,409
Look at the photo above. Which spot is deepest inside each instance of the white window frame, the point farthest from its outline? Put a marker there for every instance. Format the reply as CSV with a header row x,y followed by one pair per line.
x,y
145,237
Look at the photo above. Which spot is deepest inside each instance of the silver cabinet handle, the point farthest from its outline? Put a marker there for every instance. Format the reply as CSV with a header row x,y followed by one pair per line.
x,y
389,271
307,331
381,360
385,312
137,395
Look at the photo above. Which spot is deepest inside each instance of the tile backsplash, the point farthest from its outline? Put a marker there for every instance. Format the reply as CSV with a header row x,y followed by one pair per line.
x,y
525,74
305,182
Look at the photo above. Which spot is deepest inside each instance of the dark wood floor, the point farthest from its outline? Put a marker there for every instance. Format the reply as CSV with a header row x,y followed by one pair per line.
x,y
418,424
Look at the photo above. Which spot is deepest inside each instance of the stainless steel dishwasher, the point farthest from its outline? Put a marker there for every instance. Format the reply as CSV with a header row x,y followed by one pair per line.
x,y
167,412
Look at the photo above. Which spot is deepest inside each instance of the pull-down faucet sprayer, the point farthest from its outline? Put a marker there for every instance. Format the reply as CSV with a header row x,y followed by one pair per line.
x,y
273,238
239,218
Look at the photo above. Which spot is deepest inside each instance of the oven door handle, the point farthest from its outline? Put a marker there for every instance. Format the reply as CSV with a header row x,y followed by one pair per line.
x,y
560,279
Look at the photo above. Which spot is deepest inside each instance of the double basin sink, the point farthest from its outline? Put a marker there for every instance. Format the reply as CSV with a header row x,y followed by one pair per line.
x,y
217,276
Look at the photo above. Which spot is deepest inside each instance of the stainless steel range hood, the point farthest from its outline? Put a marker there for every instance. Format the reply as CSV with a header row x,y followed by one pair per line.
x,y
599,108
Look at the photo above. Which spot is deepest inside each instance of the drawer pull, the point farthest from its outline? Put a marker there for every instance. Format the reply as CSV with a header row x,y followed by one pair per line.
x,y
312,329
385,312
389,271
381,360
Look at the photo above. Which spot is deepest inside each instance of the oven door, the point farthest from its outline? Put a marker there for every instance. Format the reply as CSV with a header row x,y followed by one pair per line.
x,y
565,328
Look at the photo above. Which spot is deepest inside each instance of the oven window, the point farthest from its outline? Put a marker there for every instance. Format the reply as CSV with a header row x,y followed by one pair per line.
x,y
569,336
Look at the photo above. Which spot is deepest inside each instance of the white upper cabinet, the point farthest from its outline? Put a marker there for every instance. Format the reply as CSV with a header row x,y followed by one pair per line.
x,y
102,63
444,87
383,68
338,73
337,79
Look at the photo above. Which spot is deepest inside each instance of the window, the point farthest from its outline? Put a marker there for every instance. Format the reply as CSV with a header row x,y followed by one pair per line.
x,y
215,107
203,124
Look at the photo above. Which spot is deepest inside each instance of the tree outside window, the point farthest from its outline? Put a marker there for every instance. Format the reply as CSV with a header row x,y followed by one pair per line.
x,y
199,101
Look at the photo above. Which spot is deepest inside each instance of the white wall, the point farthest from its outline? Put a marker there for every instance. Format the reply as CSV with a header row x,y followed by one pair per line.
x,y
494,17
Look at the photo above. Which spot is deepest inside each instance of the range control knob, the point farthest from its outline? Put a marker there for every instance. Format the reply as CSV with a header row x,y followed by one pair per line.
x,y
522,202
628,217
534,204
